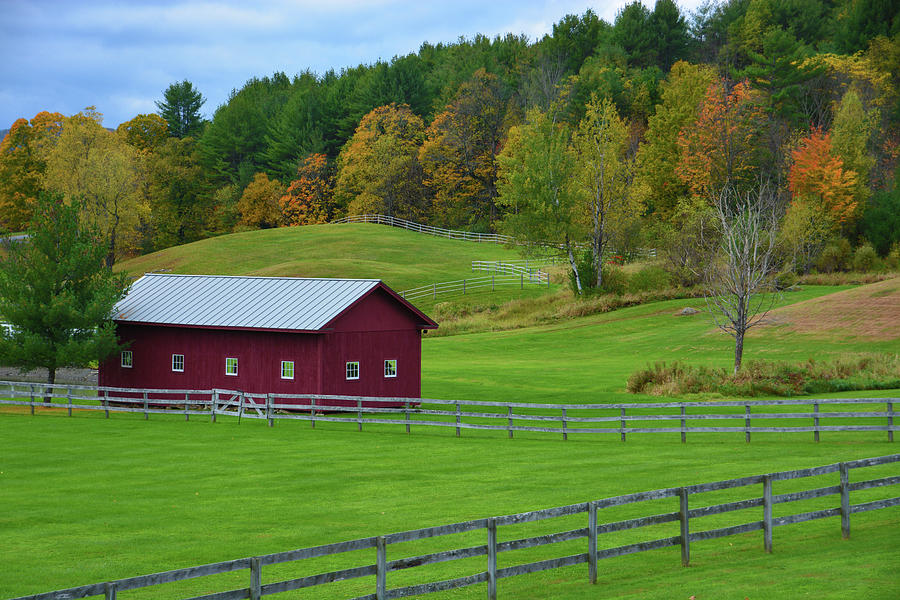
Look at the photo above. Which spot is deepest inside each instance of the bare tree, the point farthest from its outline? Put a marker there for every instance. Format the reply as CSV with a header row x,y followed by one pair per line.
x,y
739,291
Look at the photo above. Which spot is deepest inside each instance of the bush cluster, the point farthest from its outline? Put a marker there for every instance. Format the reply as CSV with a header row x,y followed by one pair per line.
x,y
765,378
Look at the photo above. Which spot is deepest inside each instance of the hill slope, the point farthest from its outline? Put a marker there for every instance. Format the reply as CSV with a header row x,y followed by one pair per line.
x,y
402,259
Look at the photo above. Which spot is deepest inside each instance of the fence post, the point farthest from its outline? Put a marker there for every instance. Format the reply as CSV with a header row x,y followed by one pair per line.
x,y
492,282
683,424
622,421
890,410
255,578
380,568
269,411
845,501
146,407
433,291
565,432
767,513
215,406
509,421
110,591
458,418
492,558
521,281
747,423
106,402
32,399
592,541
68,398
685,527
407,416
359,415
312,412
464,287
816,421
187,407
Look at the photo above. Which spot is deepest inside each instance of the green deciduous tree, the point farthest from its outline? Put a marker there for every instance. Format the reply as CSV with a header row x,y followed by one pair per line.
x,y
57,294
537,166
180,109
605,169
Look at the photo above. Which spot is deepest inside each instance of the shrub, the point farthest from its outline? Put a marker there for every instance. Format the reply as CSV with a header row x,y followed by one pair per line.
x,y
613,281
585,265
892,260
865,258
785,280
649,279
835,256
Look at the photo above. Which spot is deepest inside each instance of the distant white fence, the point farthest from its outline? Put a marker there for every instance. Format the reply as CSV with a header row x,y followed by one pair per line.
x,y
452,234
464,286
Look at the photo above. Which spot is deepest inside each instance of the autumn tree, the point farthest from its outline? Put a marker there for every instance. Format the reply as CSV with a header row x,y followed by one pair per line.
x,y
459,155
378,168
604,174
144,132
721,148
259,204
308,200
851,135
57,294
682,92
180,109
537,166
22,165
818,176
96,165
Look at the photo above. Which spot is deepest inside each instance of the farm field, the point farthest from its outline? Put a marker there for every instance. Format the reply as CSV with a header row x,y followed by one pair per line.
x,y
88,499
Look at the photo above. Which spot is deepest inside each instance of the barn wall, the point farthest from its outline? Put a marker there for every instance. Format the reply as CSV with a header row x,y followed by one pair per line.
x,y
259,357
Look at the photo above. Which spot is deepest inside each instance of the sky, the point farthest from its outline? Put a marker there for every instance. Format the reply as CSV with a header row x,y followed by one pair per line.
x,y
120,56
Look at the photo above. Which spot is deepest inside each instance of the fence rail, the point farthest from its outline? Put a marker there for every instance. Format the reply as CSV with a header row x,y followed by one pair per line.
x,y
452,234
684,513
463,286
733,416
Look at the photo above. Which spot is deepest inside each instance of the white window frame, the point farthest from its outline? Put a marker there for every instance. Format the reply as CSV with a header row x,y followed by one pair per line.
x,y
228,364
351,369
390,367
175,362
127,359
290,365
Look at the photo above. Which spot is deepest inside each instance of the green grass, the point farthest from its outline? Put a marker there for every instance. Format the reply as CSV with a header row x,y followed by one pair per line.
x,y
402,259
87,499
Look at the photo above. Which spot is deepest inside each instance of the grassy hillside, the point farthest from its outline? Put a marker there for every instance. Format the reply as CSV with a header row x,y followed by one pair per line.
x,y
402,259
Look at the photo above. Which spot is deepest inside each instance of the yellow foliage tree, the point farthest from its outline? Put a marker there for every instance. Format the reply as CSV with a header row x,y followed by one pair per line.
x,y
259,204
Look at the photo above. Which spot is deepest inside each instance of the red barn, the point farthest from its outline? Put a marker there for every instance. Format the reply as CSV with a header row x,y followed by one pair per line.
x,y
353,337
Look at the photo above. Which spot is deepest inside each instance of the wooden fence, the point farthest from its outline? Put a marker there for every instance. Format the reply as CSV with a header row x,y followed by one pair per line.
x,y
462,286
734,416
684,512
452,234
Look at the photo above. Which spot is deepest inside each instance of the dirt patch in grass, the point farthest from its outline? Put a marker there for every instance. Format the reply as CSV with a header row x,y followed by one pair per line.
x,y
870,311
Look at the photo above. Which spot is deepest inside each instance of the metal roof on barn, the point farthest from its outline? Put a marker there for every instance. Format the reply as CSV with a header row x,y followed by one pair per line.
x,y
220,301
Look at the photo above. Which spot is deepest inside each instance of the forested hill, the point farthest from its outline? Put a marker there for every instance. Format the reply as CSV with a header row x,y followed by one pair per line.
x,y
803,93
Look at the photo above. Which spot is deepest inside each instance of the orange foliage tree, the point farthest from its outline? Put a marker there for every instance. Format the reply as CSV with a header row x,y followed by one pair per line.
x,y
22,166
308,200
818,176
460,152
720,148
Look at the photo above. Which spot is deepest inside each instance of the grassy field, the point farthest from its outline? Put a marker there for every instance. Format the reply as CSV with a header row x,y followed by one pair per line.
x,y
87,499
402,259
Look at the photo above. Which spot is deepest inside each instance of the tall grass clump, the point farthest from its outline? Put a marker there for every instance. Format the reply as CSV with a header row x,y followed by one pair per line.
x,y
765,378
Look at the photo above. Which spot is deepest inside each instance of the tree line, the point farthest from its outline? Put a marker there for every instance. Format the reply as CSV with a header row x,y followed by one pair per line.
x,y
614,134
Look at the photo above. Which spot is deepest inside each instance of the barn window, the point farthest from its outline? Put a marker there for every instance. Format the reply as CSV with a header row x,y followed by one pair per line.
x,y
287,369
353,370
231,366
126,359
390,368
178,362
